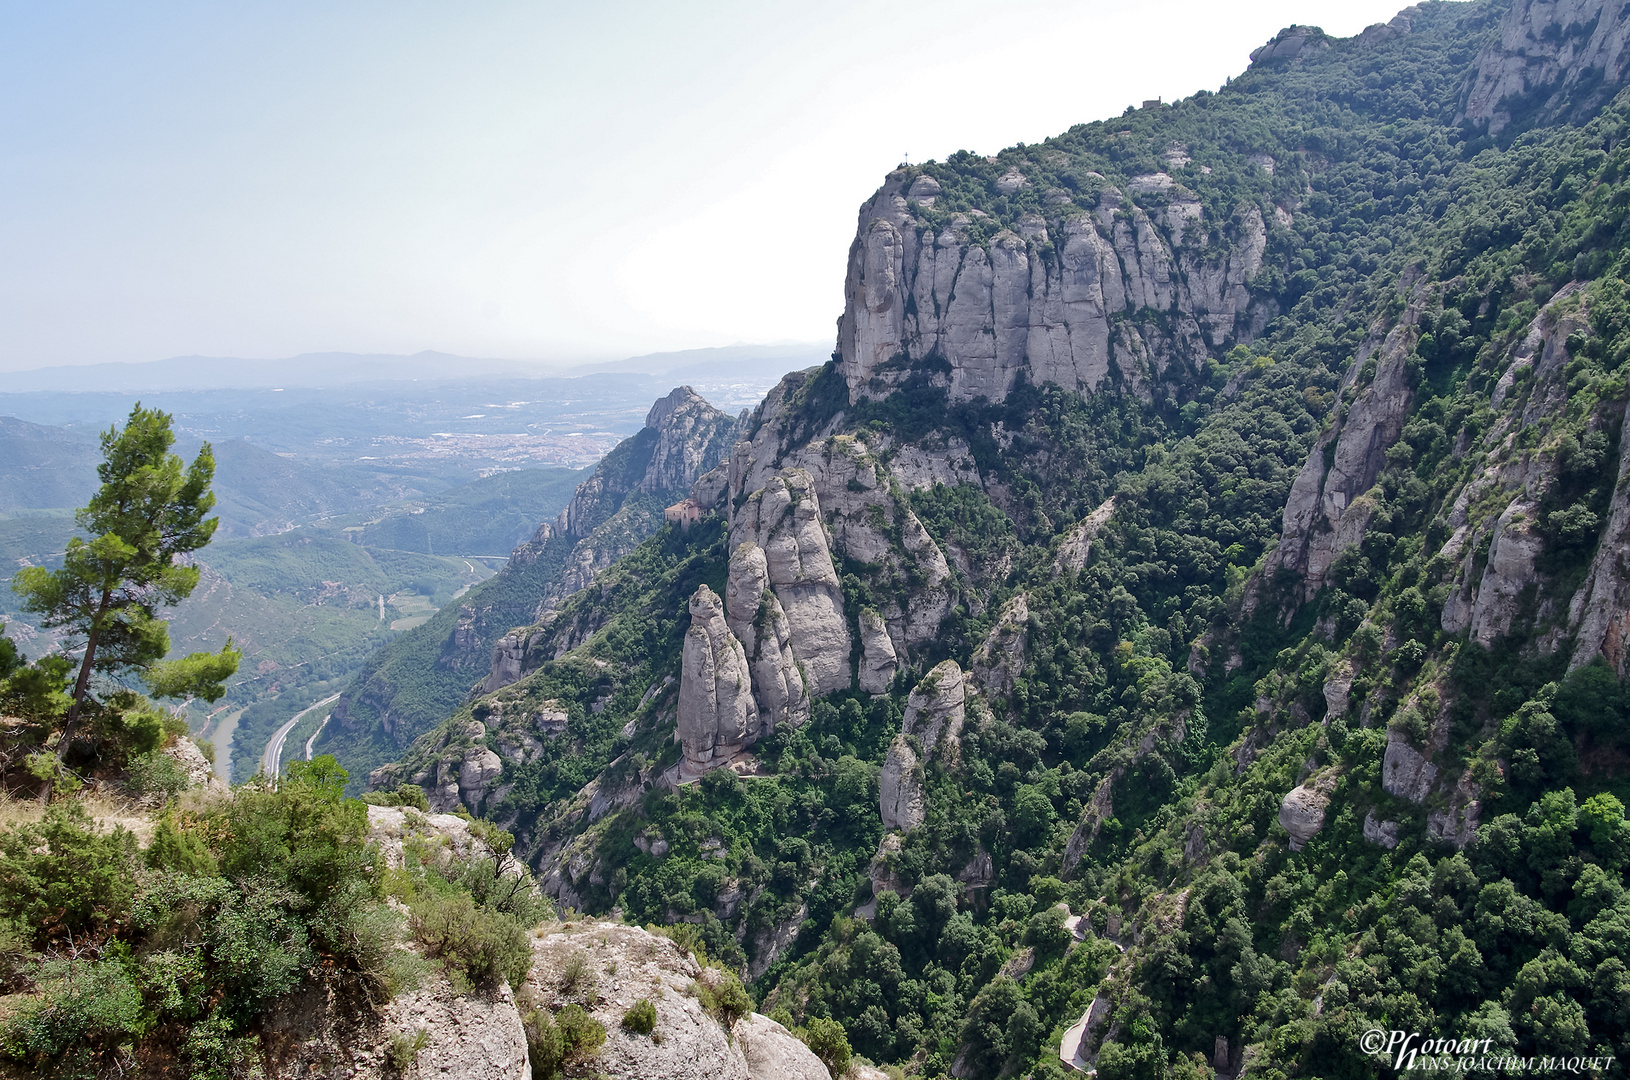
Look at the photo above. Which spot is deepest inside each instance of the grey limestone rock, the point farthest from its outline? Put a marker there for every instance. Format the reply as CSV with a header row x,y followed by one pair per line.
x,y
1302,812
771,941
1327,511
1076,546
784,519
860,503
902,803
1292,43
1040,299
473,1036
717,716
881,871
774,1053
1338,690
479,769
878,660
1000,657
1549,52
857,494
756,617
1601,608
936,709
509,657
1509,571
630,964
1376,831
193,763
1405,772
686,438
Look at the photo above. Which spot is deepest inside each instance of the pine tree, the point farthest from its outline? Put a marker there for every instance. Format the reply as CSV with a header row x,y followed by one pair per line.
x,y
149,512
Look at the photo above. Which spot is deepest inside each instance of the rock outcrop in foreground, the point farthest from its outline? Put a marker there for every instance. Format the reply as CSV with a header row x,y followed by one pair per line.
x,y
620,965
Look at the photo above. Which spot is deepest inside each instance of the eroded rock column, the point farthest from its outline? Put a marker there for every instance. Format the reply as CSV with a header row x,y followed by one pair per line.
x,y
784,519
759,622
717,716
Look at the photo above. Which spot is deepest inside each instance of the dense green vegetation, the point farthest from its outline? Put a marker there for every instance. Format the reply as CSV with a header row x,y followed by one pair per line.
x,y
406,688
174,957
1173,691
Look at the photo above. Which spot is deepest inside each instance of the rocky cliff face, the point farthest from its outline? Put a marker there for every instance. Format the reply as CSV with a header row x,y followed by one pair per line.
x,y
621,504
1550,60
1601,609
613,511
1327,512
618,965
783,520
902,803
755,615
1048,297
422,677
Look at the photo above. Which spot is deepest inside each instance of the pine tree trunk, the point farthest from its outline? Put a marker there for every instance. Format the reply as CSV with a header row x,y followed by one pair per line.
x,y
81,685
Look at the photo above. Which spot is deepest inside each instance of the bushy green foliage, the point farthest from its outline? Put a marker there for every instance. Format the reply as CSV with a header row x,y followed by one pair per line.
x,y
827,1041
61,878
405,795
404,1049
725,998
641,1018
177,952
473,913
90,1011
477,944
560,1041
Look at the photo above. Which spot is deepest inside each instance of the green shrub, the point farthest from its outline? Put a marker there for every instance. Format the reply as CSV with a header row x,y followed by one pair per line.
x,y
84,1011
544,1044
581,1035
405,795
404,1049
216,1051
641,1018
60,876
478,944
173,849
576,975
727,999
303,834
827,1040
156,773
503,885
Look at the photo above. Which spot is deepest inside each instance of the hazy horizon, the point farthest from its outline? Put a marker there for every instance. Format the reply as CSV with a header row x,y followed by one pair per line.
x,y
546,183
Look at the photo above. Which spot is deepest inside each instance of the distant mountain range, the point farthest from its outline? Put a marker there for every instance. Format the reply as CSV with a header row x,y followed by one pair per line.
x,y
313,370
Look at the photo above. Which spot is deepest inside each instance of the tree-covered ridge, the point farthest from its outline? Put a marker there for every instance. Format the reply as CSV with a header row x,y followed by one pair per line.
x,y
416,680
1453,304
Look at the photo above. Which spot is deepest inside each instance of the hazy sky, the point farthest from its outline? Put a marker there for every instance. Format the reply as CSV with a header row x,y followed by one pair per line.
x,y
529,180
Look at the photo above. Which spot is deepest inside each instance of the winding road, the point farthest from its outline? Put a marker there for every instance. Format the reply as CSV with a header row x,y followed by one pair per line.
x,y
271,762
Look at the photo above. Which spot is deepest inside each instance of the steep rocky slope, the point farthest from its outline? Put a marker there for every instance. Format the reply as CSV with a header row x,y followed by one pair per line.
x,y
418,679
1184,625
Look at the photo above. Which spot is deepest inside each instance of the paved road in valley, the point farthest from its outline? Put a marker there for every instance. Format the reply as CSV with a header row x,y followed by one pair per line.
x,y
272,760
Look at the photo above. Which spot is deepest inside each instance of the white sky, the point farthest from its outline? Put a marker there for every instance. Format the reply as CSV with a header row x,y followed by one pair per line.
x,y
531,180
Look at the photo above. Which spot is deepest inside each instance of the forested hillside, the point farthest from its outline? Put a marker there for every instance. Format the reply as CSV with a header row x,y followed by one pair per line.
x,y
406,687
1183,627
